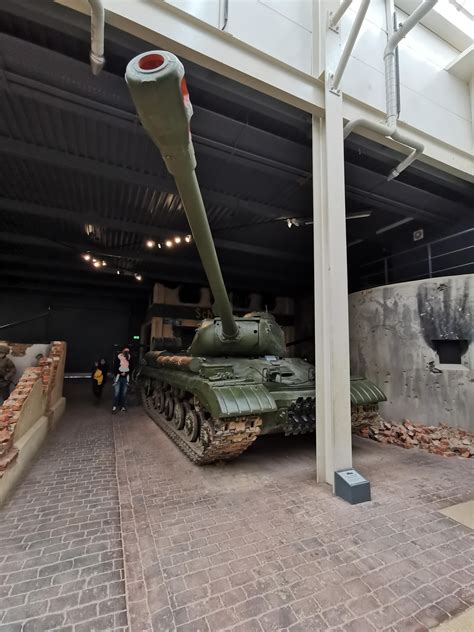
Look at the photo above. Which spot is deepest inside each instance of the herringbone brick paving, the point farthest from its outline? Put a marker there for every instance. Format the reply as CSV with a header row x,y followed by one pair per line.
x,y
61,558
255,545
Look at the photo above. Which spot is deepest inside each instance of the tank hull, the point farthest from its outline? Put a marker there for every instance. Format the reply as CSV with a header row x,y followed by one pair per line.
x,y
215,408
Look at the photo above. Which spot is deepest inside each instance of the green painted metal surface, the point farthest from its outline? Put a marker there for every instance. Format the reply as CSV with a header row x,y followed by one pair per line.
x,y
364,392
235,367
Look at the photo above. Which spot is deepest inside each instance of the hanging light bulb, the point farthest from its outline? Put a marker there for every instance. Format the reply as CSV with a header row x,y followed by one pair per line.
x,y
187,239
94,260
150,243
168,243
138,277
159,245
177,240
96,264
86,257
118,272
104,263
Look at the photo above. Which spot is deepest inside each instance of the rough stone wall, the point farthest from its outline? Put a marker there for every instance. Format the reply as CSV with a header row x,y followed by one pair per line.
x,y
392,329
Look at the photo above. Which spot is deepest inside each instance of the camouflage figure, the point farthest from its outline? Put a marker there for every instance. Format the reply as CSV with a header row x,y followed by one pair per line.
x,y
7,372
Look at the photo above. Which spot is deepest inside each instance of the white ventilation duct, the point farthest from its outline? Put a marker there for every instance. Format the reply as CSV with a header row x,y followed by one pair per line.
x,y
97,36
389,127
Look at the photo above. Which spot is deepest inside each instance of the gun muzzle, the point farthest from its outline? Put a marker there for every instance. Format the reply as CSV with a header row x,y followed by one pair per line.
x,y
158,88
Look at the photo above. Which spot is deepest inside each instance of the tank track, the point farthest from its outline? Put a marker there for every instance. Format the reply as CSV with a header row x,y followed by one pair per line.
x,y
218,439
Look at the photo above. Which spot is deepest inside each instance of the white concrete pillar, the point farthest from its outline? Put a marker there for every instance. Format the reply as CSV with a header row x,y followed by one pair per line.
x,y
333,415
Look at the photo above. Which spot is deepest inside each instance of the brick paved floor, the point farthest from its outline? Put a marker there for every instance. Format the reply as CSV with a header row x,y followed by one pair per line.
x,y
255,545
249,545
61,559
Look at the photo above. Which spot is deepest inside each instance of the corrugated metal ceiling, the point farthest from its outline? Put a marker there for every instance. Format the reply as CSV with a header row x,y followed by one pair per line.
x,y
77,171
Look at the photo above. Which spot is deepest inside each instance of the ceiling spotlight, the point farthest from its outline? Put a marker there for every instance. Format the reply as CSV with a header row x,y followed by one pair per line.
x,y
187,239
177,240
159,245
138,277
86,257
291,221
168,243
94,260
96,264
150,243
104,263
118,272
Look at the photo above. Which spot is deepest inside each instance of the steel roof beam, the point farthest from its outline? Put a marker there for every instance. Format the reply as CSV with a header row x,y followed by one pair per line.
x,y
45,288
394,206
119,111
166,264
34,273
148,230
60,159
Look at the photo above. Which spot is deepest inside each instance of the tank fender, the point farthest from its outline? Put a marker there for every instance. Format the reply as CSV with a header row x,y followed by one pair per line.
x,y
365,393
231,399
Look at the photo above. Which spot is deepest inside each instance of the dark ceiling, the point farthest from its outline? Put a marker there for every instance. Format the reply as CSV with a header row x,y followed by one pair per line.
x,y
78,174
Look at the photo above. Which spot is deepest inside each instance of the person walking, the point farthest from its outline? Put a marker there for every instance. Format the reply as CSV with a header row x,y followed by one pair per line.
x,y
7,372
99,378
121,379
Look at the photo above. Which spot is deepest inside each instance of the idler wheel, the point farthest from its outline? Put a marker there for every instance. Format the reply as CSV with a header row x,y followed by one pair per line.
x,y
191,425
169,408
179,414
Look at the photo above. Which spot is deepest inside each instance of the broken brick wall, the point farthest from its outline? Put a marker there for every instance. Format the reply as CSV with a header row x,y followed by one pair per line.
x,y
34,395
24,355
394,333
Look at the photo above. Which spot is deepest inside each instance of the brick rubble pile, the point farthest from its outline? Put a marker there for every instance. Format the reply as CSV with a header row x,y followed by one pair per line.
x,y
442,440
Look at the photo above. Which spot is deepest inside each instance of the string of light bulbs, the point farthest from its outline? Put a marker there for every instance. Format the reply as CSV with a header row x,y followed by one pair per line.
x,y
149,243
101,263
169,243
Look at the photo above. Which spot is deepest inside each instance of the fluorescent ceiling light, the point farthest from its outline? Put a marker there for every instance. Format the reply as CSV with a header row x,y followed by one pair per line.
x,y
358,214
385,229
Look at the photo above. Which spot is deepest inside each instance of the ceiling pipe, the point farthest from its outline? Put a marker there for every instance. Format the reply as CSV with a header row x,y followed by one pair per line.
x,y
96,55
389,127
351,40
337,15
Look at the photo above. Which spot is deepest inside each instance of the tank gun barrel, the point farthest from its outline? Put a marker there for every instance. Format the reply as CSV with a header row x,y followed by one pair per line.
x,y
158,88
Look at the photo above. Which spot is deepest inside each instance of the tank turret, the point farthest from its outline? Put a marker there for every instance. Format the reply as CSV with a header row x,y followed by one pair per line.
x,y
158,88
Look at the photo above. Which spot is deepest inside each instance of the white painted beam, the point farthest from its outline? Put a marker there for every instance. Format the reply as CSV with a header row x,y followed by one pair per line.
x,y
164,25
333,412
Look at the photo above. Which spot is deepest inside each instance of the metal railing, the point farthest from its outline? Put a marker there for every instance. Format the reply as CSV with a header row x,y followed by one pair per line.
x,y
453,254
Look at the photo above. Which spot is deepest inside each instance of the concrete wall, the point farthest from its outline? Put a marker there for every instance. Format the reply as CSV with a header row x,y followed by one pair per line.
x,y
391,333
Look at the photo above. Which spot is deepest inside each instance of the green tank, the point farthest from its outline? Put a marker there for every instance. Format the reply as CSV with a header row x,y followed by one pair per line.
x,y
235,381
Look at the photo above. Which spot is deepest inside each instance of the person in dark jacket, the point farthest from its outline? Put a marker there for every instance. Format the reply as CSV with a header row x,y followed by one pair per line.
x,y
99,378
121,379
